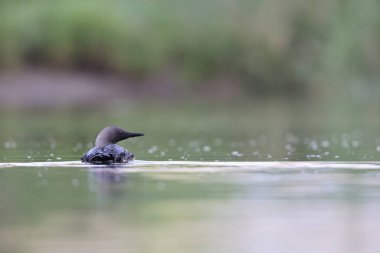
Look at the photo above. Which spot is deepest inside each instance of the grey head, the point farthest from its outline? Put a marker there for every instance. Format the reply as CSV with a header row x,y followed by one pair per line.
x,y
112,135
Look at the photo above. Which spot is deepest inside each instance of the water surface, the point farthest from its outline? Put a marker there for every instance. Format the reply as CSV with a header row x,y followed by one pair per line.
x,y
239,178
189,206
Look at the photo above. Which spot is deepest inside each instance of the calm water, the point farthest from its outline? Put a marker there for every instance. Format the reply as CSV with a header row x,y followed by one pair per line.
x,y
190,207
205,181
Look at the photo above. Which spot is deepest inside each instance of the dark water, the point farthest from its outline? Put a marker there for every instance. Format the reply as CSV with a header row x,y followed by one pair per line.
x,y
206,180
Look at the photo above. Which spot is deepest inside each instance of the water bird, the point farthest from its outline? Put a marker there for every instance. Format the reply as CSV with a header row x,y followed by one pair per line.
x,y
106,151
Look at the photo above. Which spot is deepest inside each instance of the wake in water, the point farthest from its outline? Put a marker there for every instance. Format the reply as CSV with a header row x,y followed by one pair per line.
x,y
201,166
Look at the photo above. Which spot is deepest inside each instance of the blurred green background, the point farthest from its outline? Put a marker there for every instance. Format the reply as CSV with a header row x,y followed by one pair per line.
x,y
284,48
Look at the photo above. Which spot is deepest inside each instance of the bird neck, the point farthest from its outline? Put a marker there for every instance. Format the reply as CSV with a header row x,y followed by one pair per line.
x,y
102,141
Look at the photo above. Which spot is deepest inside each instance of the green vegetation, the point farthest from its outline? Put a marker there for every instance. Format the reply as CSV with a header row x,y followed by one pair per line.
x,y
266,47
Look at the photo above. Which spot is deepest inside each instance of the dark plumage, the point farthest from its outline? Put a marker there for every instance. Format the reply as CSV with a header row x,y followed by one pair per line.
x,y
106,150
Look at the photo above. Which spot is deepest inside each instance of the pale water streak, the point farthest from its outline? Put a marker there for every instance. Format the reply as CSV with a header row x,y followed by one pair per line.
x,y
199,166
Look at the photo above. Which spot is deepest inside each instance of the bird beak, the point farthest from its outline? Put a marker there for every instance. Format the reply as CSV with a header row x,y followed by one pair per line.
x,y
130,135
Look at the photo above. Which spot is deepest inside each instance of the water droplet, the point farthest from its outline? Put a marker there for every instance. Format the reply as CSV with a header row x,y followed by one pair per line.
x,y
313,156
313,145
206,148
355,143
53,145
10,144
325,144
345,144
75,182
291,138
288,147
236,153
152,149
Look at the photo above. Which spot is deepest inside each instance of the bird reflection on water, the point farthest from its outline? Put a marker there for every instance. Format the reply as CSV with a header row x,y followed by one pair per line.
x,y
107,183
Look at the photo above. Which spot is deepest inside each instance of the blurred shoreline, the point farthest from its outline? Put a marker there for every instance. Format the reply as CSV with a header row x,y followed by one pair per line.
x,y
175,50
35,87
